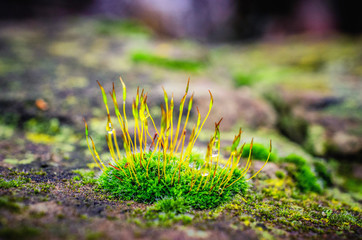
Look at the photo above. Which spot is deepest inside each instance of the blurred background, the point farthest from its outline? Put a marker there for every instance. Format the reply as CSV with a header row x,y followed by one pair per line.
x,y
207,20
286,70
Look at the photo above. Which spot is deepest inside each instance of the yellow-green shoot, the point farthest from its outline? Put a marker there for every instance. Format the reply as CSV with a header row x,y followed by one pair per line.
x,y
158,162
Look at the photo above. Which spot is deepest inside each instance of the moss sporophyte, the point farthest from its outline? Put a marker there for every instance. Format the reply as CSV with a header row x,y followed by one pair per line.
x,y
163,164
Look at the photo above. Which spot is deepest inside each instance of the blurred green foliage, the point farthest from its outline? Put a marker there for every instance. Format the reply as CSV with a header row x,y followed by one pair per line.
x,y
175,64
244,79
51,127
259,152
7,203
323,173
305,179
110,27
280,174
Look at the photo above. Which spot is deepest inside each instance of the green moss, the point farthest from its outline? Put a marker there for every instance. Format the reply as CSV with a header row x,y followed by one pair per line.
x,y
151,188
305,179
284,212
166,219
60,137
156,219
27,159
175,64
39,172
353,185
168,211
280,174
307,213
44,126
266,74
13,183
259,152
343,217
244,79
87,176
172,205
42,188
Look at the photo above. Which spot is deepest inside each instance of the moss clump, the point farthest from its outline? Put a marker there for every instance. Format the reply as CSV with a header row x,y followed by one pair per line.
x,y
168,167
259,152
280,174
305,178
13,183
167,205
194,189
175,64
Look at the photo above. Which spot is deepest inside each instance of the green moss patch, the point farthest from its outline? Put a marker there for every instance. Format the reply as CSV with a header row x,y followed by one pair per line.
x,y
174,64
13,183
305,179
259,152
87,176
195,189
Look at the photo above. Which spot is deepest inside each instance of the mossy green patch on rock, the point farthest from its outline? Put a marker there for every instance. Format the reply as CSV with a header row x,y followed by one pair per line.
x,y
259,152
13,183
51,127
168,211
305,179
175,64
149,187
171,205
87,176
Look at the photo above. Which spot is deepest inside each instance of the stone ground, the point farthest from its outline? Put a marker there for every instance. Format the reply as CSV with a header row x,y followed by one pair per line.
x,y
301,93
